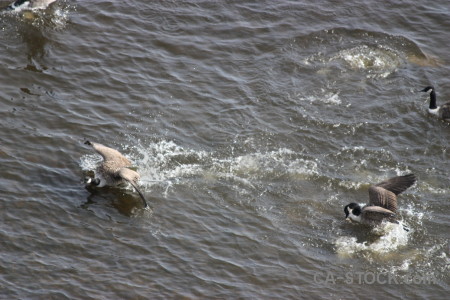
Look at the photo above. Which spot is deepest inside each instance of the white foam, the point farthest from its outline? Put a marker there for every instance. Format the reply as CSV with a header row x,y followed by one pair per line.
x,y
327,97
90,161
160,161
350,185
60,17
278,160
55,16
365,57
392,237
413,214
165,163
333,99
434,190
380,61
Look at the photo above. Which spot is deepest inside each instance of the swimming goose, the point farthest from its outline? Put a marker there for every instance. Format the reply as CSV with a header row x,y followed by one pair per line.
x,y
382,201
28,4
443,111
113,170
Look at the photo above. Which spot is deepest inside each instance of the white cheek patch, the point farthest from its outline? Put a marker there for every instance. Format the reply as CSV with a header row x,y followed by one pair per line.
x,y
355,218
348,212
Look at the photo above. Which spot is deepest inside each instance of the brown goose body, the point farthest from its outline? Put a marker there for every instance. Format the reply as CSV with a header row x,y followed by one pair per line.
x,y
114,169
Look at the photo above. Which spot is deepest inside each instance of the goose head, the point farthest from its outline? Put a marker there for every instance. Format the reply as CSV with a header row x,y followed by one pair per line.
x,y
353,212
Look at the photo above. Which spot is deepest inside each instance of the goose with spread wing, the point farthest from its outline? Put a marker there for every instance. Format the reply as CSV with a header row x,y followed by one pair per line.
x,y
382,204
114,170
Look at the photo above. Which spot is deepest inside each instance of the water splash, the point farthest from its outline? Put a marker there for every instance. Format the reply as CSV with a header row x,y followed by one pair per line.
x,y
391,237
55,16
90,162
165,163
378,61
326,97
375,54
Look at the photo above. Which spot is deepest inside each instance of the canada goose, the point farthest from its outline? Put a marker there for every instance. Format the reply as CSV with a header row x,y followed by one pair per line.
x,y
28,4
113,170
382,201
443,111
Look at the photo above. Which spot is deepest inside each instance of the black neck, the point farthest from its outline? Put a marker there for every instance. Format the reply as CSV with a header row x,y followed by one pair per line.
x,y
433,100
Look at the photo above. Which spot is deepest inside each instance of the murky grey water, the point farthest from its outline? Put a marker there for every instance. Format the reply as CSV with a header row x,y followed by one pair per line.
x,y
252,124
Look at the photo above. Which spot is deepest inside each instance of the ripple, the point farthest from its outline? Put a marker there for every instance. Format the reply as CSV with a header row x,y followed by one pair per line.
x,y
376,54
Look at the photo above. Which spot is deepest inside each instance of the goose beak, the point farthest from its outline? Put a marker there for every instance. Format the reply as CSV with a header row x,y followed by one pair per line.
x,y
91,181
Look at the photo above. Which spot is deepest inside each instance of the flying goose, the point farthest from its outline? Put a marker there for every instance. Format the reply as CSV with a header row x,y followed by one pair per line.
x,y
443,111
28,4
113,170
382,201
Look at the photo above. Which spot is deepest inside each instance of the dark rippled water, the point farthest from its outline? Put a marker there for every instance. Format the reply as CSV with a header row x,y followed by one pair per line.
x,y
252,124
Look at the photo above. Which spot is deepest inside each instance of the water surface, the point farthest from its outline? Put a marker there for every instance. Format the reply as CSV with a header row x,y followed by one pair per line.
x,y
252,124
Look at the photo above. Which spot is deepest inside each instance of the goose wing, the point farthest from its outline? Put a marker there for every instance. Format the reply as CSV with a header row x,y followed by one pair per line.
x,y
380,197
132,177
398,184
110,156
376,214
